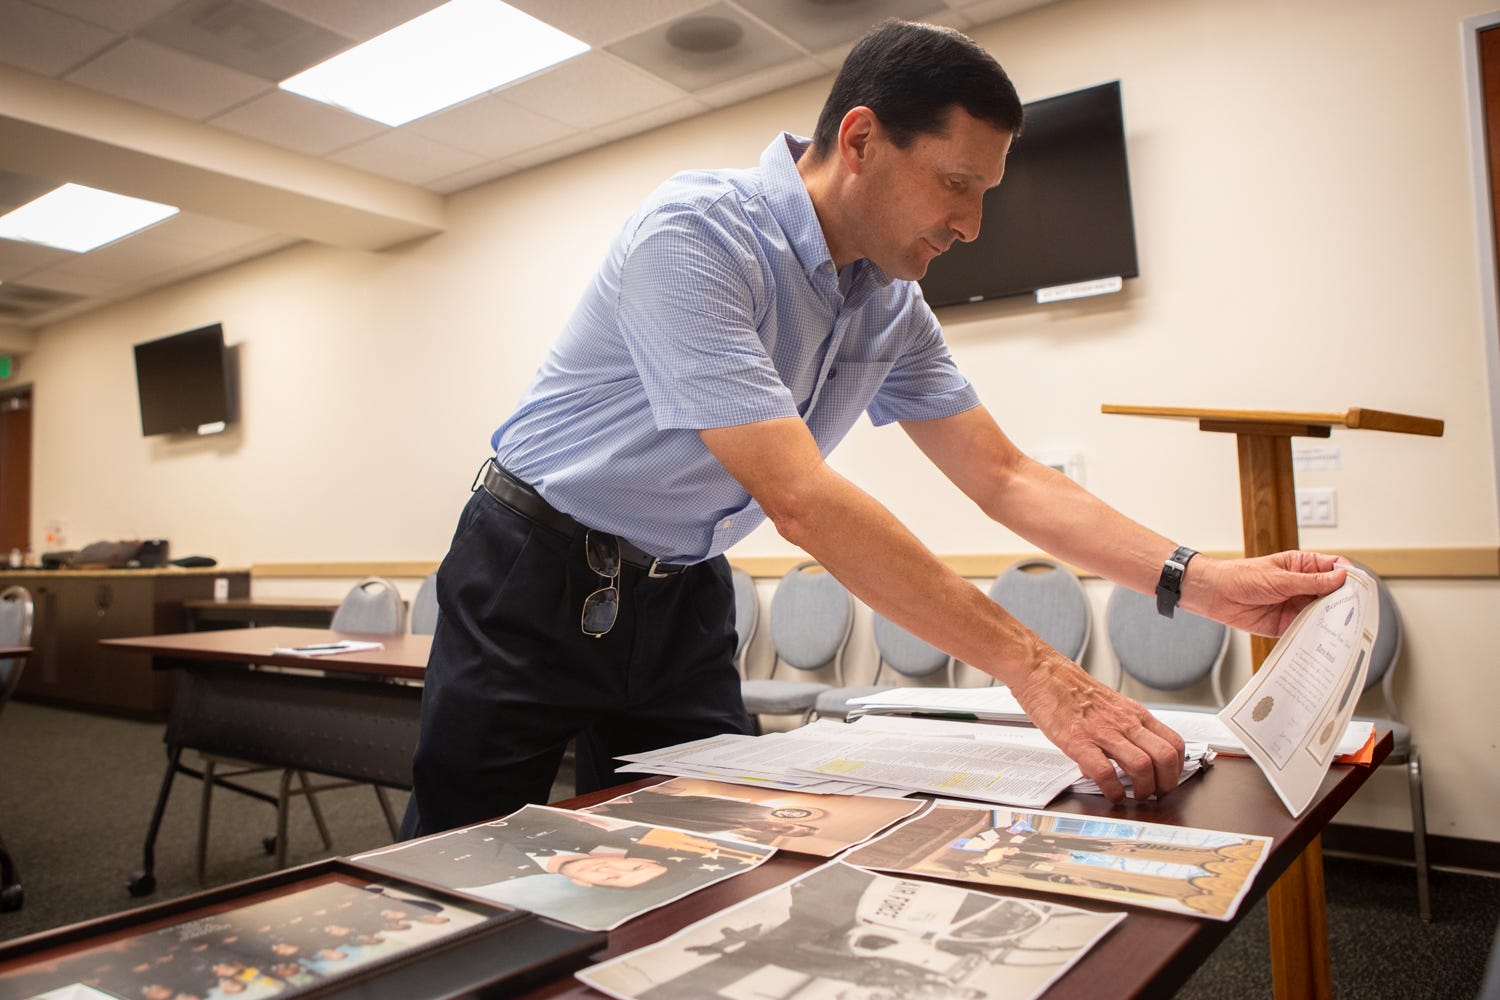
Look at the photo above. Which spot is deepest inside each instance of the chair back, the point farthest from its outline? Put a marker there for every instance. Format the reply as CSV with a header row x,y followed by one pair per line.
x,y
372,605
424,607
1387,645
746,615
811,618
15,630
906,654
1167,654
1047,598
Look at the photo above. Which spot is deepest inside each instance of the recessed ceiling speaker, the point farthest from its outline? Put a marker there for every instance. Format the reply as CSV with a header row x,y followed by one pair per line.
x,y
705,34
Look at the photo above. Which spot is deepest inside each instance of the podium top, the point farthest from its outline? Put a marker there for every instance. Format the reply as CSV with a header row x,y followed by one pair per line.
x,y
1356,417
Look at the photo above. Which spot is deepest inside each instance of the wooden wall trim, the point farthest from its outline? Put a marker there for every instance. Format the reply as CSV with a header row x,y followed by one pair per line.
x,y
1459,562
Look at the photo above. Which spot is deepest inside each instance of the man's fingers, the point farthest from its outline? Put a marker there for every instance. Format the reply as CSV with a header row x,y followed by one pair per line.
x,y
1101,771
1137,763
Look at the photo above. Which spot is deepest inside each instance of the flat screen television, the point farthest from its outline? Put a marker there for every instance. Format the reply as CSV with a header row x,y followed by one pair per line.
x,y
1061,214
183,382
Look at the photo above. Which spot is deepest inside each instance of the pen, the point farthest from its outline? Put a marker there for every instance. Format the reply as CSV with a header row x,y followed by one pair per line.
x,y
320,645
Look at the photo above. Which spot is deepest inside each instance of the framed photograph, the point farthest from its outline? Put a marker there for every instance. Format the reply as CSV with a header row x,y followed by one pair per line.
x,y
333,929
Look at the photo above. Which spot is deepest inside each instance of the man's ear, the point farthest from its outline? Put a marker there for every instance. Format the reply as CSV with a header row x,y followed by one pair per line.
x,y
856,131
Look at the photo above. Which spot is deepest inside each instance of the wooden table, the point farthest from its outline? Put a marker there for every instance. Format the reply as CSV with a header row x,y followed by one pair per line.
x,y
330,715
1268,511
1149,954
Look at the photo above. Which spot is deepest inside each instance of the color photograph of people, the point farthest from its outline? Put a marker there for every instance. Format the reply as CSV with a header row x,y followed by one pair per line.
x,y
1181,869
270,948
822,825
840,932
592,872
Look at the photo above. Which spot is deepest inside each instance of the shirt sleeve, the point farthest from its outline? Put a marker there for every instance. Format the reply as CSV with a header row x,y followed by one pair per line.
x,y
691,291
925,383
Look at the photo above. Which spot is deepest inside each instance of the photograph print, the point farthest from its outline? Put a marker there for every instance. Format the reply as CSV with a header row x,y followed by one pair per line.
x,y
592,872
1203,873
841,932
804,822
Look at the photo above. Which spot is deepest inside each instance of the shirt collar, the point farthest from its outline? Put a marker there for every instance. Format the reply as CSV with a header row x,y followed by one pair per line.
x,y
787,198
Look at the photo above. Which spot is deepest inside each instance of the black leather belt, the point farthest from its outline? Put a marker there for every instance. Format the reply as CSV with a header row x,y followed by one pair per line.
x,y
527,502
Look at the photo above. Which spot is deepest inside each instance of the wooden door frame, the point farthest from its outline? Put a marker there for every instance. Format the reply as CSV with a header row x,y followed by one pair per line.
x,y
27,475
1487,224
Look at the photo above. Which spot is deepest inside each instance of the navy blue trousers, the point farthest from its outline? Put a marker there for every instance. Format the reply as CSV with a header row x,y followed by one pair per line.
x,y
512,677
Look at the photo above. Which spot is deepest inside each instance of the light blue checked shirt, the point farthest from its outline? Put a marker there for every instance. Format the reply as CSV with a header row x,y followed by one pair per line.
x,y
717,305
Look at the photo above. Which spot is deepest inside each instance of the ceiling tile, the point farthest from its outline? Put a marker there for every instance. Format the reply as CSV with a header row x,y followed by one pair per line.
x,y
136,258
591,90
44,41
406,156
121,15
711,46
763,82
166,79
18,189
816,25
600,23
655,118
20,302
48,277
18,258
491,126
555,150
295,122
361,19
982,11
247,35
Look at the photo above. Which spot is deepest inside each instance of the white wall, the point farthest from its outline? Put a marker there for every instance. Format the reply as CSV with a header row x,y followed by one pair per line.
x,y
1307,241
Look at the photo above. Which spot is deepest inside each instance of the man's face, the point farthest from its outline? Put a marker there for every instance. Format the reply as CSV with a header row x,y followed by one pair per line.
x,y
919,200
611,870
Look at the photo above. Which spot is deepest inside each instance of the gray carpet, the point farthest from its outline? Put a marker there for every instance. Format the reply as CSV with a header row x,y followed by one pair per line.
x,y
76,792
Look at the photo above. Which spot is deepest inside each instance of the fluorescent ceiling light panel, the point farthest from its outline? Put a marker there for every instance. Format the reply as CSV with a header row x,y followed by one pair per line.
x,y
80,219
447,55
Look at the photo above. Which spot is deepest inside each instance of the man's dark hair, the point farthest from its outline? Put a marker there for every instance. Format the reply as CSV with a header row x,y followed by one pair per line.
x,y
910,74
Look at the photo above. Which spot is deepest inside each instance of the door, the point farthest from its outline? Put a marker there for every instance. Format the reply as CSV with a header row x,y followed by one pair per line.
x,y
15,470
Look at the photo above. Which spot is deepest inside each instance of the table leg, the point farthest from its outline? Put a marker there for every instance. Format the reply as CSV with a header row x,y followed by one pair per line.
x,y
1298,910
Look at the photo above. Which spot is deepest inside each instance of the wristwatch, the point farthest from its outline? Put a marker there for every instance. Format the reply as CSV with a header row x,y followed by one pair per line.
x,y
1169,586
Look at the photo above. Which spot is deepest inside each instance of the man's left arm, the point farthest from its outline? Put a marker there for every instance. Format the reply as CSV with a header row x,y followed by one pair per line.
x,y
1048,509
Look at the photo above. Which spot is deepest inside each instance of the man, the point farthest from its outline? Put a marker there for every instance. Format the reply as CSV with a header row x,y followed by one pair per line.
x,y
739,325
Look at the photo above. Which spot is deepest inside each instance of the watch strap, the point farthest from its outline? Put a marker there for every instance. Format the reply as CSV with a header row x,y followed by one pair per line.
x,y
1169,585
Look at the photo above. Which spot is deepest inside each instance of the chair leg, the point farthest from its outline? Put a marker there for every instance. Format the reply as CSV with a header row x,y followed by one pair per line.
x,y
317,810
283,794
204,803
385,807
1419,833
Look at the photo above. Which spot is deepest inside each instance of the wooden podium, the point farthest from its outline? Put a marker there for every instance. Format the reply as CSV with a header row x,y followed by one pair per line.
x,y
1268,509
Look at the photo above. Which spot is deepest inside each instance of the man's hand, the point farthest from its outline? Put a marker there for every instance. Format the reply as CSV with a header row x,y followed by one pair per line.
x,y
1091,723
1260,595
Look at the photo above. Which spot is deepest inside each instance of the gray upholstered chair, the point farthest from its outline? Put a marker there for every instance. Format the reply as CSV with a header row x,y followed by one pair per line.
x,y
811,618
15,630
424,607
1164,654
1047,598
903,652
746,616
1382,670
372,605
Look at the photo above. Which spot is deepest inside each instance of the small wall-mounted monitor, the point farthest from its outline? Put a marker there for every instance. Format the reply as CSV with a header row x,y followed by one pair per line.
x,y
1060,216
184,383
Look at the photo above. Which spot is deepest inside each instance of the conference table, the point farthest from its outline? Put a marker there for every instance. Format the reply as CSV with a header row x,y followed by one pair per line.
x,y
343,724
352,715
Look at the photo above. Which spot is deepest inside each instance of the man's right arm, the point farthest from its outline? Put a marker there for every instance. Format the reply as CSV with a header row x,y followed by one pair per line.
x,y
883,564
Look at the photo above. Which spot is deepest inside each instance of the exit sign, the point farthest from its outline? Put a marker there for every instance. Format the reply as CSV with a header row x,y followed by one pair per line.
x,y
7,366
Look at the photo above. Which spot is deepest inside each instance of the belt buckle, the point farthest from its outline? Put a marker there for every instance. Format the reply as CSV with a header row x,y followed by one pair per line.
x,y
653,574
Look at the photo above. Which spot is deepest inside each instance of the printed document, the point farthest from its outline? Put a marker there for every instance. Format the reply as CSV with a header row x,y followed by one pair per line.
x,y
1292,712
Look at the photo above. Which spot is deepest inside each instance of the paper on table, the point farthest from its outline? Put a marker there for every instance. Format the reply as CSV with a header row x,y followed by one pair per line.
x,y
1290,711
327,648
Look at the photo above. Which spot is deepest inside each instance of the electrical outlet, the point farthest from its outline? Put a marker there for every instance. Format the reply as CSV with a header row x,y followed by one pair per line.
x,y
1317,508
